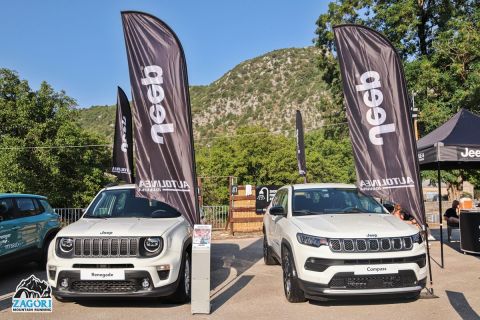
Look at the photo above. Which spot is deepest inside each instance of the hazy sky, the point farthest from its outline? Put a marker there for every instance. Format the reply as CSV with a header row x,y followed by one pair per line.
x,y
78,46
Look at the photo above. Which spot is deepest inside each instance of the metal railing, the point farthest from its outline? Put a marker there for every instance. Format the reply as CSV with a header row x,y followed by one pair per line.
x,y
215,215
69,215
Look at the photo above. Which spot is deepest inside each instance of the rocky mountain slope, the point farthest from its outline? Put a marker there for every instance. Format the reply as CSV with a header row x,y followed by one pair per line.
x,y
262,91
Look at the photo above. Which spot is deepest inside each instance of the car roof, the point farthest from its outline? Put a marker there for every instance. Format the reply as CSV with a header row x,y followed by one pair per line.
x,y
323,186
21,195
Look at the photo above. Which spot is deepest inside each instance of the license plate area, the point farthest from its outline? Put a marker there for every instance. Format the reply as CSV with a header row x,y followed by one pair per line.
x,y
102,274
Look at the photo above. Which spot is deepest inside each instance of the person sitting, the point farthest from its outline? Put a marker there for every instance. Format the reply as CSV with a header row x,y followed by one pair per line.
x,y
451,214
403,215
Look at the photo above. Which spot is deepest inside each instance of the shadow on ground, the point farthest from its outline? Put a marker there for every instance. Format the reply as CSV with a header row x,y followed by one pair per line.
x,y
226,256
461,305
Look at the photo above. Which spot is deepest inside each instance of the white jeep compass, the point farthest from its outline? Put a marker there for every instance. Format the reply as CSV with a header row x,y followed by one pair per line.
x,y
122,246
334,241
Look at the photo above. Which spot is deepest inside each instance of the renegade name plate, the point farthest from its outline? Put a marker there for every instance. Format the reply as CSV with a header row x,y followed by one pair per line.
x,y
102,274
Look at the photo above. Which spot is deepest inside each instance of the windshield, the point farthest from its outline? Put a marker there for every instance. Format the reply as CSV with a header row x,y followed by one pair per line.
x,y
333,200
122,203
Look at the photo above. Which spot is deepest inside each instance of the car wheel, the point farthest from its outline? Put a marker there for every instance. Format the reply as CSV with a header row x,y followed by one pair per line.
x,y
183,292
267,253
291,286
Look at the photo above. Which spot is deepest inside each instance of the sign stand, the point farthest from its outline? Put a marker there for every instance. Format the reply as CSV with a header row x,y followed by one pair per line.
x,y
202,235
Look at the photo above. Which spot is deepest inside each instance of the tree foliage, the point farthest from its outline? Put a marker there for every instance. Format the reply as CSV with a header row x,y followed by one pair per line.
x,y
34,121
256,156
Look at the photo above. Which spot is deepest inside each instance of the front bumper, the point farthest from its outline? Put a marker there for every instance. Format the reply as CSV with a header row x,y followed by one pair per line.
x,y
321,291
130,287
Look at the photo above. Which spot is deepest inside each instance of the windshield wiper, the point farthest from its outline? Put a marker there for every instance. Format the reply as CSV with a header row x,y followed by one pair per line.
x,y
94,217
306,212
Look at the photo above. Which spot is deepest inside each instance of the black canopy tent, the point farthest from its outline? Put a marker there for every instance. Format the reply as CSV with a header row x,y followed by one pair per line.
x,y
453,145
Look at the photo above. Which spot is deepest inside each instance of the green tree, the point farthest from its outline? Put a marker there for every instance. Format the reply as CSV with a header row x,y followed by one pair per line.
x,y
33,122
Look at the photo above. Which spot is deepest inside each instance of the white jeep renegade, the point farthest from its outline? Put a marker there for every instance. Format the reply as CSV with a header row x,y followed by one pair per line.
x,y
122,246
334,241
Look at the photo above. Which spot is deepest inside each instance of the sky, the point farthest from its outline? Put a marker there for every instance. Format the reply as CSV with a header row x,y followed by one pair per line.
x,y
78,46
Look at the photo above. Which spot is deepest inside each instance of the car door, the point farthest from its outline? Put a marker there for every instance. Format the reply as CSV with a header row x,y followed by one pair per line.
x,y
8,227
276,237
28,219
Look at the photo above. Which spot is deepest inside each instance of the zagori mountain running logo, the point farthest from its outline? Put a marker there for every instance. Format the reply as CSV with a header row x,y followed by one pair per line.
x,y
153,79
376,115
32,295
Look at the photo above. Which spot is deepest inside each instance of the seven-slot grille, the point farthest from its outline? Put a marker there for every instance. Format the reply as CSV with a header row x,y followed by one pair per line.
x,y
371,245
105,247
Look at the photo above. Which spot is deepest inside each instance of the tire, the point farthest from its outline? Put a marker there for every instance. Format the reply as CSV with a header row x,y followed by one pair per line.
x,y
291,286
184,289
267,253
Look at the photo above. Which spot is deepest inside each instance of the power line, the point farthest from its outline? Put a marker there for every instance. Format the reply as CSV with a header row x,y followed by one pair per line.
x,y
204,138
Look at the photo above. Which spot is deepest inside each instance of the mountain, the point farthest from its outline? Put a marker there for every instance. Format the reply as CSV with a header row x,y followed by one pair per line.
x,y
263,91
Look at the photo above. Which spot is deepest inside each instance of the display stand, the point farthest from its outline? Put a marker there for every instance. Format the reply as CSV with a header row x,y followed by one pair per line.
x,y
202,235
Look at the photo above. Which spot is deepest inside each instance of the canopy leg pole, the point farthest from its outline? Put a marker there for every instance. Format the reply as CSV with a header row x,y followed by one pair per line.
x,y
440,212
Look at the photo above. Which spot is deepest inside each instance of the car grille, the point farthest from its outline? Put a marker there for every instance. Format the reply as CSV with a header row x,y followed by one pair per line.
x,y
105,247
371,245
347,280
104,286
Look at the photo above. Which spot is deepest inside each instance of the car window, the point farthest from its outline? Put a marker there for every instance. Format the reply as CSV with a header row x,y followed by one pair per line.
x,y
26,207
7,209
284,200
334,200
277,200
46,206
122,203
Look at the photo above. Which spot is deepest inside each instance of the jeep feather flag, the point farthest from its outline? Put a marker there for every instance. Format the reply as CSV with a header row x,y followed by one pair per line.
x,y
164,158
378,117
302,167
122,164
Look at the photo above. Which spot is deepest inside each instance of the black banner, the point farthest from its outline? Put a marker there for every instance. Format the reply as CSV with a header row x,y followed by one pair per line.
x,y
302,167
264,195
378,117
164,158
122,164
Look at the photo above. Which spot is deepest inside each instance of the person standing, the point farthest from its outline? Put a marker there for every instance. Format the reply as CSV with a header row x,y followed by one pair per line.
x,y
451,214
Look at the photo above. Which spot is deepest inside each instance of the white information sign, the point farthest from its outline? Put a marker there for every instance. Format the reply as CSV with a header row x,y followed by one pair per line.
x,y
202,236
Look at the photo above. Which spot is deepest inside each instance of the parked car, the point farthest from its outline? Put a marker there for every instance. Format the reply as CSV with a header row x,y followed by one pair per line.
x,y
123,246
27,225
334,241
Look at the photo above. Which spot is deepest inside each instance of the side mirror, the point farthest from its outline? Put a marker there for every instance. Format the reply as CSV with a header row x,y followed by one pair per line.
x,y
277,211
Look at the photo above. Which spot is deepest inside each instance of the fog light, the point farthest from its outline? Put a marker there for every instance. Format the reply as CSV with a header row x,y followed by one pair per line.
x,y
64,283
145,283
163,267
52,270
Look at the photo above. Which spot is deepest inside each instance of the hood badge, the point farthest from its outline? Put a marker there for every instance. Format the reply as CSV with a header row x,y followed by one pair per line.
x,y
106,232
372,235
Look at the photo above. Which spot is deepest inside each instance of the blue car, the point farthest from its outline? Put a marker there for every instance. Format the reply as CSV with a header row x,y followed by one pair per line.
x,y
27,225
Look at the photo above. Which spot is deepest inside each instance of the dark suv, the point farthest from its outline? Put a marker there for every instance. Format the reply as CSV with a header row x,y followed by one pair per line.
x,y
27,225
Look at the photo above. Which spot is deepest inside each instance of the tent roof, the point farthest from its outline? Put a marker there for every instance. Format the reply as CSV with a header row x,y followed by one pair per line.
x,y
463,129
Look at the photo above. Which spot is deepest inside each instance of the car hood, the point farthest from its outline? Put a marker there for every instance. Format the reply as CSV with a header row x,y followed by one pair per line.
x,y
358,225
120,227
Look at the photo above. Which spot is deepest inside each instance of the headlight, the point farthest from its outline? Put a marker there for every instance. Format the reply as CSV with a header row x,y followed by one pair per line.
x,y
418,238
152,244
312,241
66,244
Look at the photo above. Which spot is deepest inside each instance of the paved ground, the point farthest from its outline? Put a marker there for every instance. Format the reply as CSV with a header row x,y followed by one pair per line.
x,y
244,288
